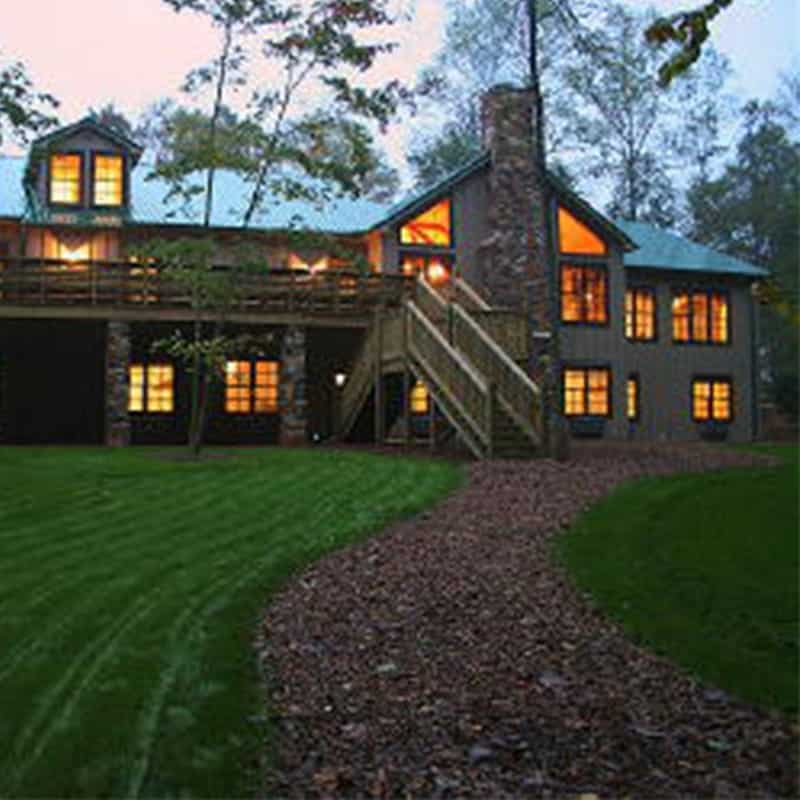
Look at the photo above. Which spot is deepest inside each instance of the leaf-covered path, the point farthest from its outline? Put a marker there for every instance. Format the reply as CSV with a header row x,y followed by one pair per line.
x,y
449,657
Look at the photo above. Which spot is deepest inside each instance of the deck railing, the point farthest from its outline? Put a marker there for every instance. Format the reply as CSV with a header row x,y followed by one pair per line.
x,y
51,282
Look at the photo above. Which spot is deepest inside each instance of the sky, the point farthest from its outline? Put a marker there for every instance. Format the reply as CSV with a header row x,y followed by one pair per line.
x,y
133,52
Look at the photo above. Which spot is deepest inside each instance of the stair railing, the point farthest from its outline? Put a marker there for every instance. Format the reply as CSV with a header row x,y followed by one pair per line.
x,y
451,377
358,382
516,392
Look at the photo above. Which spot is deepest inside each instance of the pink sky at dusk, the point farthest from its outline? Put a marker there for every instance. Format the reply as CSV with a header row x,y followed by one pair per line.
x,y
133,52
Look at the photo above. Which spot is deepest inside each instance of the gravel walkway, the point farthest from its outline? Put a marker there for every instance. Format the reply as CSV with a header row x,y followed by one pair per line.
x,y
448,657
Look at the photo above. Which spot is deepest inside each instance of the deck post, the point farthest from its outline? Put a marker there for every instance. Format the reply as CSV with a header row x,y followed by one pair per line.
x,y
292,392
118,354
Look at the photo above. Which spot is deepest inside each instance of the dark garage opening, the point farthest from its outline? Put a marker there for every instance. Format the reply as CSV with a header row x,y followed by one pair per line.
x,y
52,379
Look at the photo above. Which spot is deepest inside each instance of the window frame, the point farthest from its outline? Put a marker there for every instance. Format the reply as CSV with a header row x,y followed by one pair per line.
x,y
711,380
709,294
251,388
599,264
635,378
81,170
145,366
634,338
572,367
429,248
578,216
93,172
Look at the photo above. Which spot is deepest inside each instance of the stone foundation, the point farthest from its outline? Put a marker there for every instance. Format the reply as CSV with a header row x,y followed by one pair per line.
x,y
293,396
118,354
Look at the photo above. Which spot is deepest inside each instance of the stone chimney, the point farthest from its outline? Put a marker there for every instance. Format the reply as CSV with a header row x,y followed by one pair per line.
x,y
515,271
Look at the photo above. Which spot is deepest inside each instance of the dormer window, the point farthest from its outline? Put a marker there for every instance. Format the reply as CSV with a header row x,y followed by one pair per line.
x,y
65,178
107,184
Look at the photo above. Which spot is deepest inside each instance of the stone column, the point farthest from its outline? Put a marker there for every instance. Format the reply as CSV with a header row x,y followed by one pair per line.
x,y
515,265
293,398
118,354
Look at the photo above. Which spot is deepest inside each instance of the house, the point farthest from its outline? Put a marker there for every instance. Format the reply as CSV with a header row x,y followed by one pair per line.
x,y
457,327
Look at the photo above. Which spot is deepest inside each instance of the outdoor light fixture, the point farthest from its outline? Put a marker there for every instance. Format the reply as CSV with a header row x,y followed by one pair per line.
x,y
340,378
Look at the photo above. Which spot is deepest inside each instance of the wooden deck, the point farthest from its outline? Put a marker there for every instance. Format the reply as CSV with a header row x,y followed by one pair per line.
x,y
109,290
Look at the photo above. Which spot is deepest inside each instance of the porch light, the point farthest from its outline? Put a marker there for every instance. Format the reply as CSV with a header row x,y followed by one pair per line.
x,y
340,378
437,273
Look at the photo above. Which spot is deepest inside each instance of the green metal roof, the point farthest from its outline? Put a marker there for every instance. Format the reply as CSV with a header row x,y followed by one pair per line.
x,y
12,192
660,249
655,247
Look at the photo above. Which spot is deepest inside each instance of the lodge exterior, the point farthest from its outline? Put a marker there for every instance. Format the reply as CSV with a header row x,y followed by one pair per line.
x,y
451,330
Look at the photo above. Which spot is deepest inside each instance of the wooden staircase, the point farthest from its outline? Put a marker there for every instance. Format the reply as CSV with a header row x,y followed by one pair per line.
x,y
467,354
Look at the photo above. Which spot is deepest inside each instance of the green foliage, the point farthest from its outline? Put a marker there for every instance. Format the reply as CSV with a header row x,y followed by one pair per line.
x,y
23,110
688,29
605,115
213,291
110,116
704,569
283,147
434,158
751,211
133,584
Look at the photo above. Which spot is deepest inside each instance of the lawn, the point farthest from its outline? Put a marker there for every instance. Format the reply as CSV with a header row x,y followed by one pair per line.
x,y
703,568
130,590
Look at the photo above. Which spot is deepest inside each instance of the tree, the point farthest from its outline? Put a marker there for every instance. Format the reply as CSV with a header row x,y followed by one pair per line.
x,y
688,29
23,110
622,131
283,148
606,117
110,116
751,211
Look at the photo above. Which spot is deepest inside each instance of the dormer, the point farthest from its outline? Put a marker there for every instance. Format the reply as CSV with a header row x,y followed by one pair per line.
x,y
81,168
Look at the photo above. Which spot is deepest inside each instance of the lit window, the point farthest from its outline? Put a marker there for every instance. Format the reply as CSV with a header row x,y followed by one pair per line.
x,y
701,317
640,314
587,391
576,238
712,399
65,179
584,292
251,387
151,388
108,171
432,228
436,269
633,397
419,400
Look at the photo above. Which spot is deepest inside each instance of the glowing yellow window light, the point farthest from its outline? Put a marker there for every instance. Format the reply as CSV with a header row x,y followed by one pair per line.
x,y
431,228
265,399
700,317
108,170
136,388
65,178
680,317
251,387
721,400
598,392
160,385
151,388
633,397
701,396
576,238
574,392
719,319
419,399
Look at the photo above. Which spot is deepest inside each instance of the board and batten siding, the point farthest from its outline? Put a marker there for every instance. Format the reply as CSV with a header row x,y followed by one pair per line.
x,y
666,369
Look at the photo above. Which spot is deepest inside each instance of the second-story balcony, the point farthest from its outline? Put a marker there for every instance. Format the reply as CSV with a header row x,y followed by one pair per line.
x,y
125,289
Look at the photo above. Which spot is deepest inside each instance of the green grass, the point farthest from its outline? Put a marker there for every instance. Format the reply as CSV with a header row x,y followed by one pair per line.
x,y
704,569
130,591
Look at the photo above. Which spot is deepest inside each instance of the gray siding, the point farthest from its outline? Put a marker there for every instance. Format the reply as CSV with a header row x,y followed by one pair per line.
x,y
665,369
470,228
83,142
